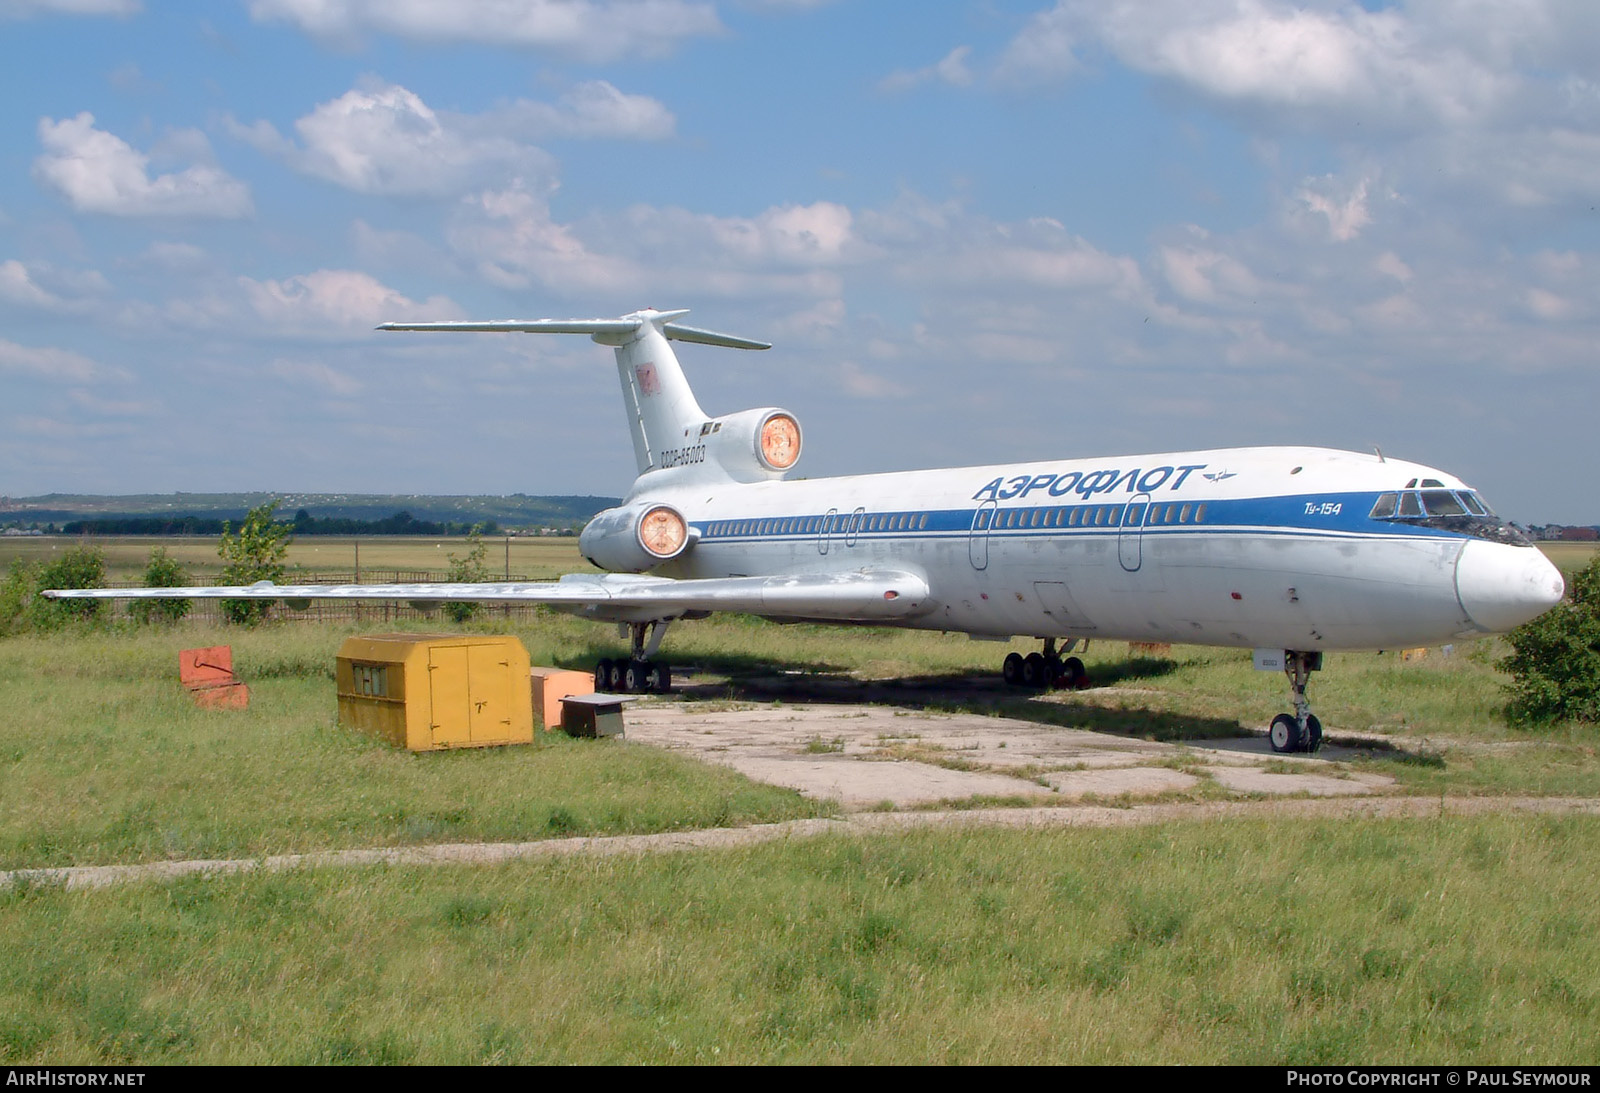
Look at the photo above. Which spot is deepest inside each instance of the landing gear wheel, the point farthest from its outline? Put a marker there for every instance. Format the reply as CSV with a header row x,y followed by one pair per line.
x,y
1313,741
636,677
1011,670
1284,735
660,679
1074,676
602,674
1034,673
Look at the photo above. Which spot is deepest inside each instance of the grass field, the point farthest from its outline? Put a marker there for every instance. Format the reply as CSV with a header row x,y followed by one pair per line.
x,y
1444,940
533,557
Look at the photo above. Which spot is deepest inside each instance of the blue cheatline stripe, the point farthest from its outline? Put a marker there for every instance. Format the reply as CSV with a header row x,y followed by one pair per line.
x,y
1335,515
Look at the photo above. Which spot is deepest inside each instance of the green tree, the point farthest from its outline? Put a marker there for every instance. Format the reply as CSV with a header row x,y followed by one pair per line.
x,y
468,570
79,567
162,572
1555,659
256,553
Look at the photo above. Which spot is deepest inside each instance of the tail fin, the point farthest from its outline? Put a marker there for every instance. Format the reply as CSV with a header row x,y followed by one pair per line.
x,y
663,415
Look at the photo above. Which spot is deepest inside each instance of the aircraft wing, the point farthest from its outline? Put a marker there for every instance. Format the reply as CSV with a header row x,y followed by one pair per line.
x,y
862,595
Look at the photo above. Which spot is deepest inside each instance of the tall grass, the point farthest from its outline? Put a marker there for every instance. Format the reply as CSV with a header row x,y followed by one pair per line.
x,y
1443,941
103,758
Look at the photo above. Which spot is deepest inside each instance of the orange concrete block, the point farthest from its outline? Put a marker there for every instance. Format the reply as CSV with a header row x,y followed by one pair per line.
x,y
206,667
208,676
224,696
550,686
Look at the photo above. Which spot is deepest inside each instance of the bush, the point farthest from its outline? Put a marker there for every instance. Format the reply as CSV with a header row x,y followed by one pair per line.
x,y
79,567
1555,659
468,570
256,553
16,594
162,572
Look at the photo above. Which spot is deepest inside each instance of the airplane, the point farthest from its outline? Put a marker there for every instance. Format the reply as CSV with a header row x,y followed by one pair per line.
x,y
1288,551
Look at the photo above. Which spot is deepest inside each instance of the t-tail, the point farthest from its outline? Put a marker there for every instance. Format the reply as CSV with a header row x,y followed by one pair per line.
x,y
673,438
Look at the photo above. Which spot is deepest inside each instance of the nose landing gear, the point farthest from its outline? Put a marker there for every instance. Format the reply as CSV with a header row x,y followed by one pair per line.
x,y
1300,731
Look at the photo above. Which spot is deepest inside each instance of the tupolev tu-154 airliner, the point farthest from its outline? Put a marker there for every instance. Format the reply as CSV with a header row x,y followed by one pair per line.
x,y
1286,551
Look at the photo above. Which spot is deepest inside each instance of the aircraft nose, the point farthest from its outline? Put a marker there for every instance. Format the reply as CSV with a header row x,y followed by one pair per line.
x,y
1502,586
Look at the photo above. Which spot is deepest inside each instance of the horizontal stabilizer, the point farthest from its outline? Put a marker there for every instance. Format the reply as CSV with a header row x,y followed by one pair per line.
x,y
710,337
602,329
527,326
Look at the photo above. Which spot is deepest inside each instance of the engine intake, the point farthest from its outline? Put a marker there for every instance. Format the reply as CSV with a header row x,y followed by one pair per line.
x,y
754,445
634,538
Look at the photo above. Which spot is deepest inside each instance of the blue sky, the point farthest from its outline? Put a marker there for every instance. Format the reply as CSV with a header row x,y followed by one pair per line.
x,y
976,232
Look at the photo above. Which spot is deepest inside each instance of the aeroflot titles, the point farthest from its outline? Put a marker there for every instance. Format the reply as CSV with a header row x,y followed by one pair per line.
x,y
1087,483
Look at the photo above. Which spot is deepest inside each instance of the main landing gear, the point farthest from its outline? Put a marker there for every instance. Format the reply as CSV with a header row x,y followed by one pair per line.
x,y
1042,671
640,673
1300,731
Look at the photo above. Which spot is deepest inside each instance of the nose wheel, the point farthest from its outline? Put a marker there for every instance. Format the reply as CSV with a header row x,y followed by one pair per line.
x,y
1299,731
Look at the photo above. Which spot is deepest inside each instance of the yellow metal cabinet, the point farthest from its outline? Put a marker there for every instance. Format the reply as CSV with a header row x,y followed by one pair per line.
x,y
430,691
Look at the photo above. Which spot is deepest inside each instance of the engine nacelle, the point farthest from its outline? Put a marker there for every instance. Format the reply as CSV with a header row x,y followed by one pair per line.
x,y
753,445
634,538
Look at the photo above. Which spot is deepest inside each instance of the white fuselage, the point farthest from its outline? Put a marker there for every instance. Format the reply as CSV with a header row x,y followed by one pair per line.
x,y
1254,547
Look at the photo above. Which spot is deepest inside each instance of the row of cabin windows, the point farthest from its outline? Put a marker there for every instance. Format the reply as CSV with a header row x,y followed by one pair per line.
x,y
1095,516
806,525
1075,516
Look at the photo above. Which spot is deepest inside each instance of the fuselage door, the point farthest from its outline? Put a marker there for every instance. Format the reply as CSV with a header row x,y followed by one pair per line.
x,y
852,526
826,530
978,544
1130,537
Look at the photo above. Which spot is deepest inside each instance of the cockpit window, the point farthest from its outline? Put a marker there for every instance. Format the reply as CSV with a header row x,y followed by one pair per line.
x,y
1461,511
1442,503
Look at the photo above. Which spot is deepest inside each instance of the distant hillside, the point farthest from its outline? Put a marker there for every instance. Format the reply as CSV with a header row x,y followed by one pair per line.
x,y
513,511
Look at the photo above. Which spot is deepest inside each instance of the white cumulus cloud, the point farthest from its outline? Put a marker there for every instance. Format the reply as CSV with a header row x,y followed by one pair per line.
x,y
950,69
589,30
22,9
384,139
335,301
1347,212
47,362
98,172
593,109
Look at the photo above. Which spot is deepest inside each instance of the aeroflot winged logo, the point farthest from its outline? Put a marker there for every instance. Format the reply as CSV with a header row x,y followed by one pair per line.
x,y
1219,476
1088,483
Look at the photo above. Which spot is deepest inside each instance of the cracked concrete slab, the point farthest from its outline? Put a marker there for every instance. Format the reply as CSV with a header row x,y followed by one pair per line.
x,y
859,785
1256,780
1121,782
837,751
